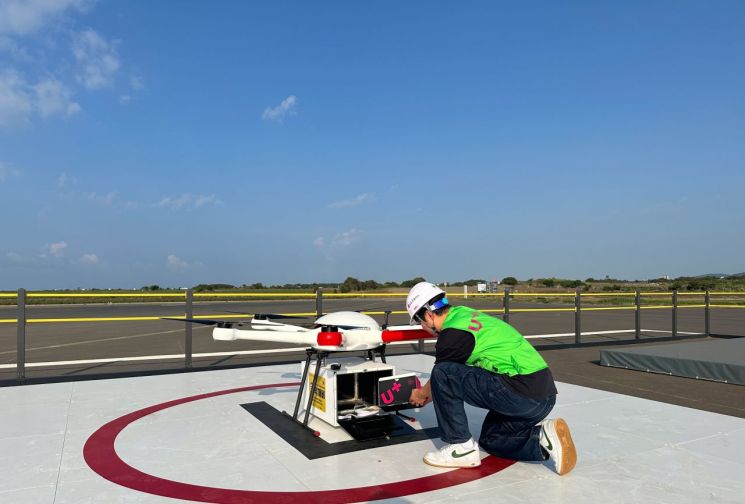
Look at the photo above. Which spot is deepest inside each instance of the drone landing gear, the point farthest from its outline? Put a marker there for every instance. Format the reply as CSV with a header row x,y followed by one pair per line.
x,y
320,356
381,353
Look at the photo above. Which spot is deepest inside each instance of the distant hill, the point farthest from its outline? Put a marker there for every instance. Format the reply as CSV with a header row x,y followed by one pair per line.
x,y
720,275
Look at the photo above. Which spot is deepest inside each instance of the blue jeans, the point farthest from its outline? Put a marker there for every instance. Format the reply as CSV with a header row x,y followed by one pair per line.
x,y
509,429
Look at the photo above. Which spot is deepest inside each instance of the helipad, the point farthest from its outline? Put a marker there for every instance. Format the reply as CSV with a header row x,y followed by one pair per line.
x,y
186,437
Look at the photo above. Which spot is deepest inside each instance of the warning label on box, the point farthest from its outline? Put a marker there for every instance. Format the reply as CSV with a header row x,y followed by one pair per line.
x,y
319,398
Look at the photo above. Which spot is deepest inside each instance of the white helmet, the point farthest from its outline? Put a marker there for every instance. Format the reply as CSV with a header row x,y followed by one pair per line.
x,y
419,297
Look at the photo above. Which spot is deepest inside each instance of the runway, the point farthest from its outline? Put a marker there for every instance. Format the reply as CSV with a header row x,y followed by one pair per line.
x,y
95,343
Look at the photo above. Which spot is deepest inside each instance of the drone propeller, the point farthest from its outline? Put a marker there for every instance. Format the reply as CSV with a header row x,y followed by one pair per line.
x,y
218,323
266,316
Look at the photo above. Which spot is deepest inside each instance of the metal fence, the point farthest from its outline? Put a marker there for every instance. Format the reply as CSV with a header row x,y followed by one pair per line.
x,y
576,298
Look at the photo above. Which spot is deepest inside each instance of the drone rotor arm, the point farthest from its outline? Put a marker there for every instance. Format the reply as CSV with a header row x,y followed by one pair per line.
x,y
398,334
268,325
309,338
220,323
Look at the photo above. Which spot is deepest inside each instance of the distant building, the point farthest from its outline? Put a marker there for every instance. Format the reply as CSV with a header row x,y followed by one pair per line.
x,y
489,287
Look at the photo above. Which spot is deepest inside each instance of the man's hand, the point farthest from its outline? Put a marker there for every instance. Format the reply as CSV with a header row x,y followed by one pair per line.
x,y
419,397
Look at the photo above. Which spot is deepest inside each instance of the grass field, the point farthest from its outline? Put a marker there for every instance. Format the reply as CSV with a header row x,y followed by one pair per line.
x,y
600,293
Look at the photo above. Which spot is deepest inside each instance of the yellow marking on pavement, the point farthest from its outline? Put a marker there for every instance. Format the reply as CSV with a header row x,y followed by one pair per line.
x,y
92,295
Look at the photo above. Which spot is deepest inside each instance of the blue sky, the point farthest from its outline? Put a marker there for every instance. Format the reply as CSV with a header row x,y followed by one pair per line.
x,y
186,142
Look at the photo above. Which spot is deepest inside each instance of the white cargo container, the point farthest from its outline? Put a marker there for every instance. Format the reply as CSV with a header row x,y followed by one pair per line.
x,y
343,385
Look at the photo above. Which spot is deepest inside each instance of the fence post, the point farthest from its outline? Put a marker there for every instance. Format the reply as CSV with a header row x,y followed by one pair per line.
x,y
638,315
675,313
577,316
506,304
319,302
187,328
21,341
465,291
707,320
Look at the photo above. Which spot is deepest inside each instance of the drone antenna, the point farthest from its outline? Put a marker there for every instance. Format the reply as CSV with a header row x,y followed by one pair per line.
x,y
387,314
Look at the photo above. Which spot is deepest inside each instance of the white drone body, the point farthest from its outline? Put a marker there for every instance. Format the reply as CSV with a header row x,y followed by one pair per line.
x,y
339,331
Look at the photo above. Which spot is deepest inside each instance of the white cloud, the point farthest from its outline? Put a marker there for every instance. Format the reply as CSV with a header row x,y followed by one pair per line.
x,y
188,201
22,17
89,259
347,238
105,199
136,82
278,113
202,200
16,103
52,255
98,60
7,171
56,249
49,254
176,263
53,98
37,90
320,245
19,100
356,201
64,180
340,241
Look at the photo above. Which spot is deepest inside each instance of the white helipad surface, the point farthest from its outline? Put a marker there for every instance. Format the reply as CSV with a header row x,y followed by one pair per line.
x,y
212,450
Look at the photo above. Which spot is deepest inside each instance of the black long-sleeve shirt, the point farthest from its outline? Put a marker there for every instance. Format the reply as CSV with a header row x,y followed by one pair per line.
x,y
455,345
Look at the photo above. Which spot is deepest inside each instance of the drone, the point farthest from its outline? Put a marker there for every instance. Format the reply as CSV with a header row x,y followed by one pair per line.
x,y
333,332
343,331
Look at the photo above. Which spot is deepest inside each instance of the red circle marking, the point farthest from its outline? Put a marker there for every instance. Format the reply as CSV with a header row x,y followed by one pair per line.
x,y
101,456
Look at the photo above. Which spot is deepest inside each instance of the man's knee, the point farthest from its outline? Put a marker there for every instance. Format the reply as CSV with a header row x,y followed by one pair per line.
x,y
445,370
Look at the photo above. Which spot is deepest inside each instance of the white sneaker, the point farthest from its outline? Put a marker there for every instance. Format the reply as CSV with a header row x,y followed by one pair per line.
x,y
455,455
556,439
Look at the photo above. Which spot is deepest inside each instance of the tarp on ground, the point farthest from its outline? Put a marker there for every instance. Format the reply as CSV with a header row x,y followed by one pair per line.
x,y
712,359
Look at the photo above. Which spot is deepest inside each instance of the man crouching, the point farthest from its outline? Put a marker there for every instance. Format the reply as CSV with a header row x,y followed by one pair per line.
x,y
487,363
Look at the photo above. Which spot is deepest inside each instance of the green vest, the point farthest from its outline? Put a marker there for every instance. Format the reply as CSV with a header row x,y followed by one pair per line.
x,y
499,347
